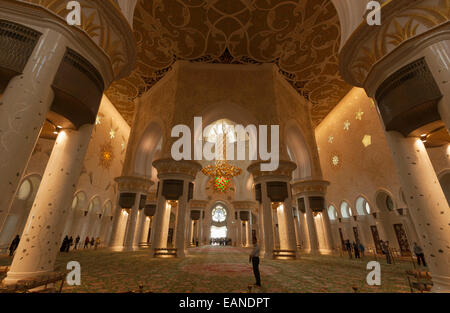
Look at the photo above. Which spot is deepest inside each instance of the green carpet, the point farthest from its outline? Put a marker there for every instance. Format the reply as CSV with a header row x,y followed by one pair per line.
x,y
224,269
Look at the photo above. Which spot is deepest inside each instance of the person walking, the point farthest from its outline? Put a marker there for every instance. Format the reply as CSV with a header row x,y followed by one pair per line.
x,y
64,244
356,249
348,247
254,259
92,241
419,254
77,241
361,249
69,244
97,243
14,244
385,249
86,243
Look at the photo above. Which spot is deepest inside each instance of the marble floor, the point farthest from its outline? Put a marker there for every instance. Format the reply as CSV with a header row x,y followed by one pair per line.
x,y
225,269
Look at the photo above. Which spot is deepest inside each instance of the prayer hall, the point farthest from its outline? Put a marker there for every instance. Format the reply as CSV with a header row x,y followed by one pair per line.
x,y
224,146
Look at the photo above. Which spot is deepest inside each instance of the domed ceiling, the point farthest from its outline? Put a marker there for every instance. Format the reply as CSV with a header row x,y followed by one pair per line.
x,y
300,36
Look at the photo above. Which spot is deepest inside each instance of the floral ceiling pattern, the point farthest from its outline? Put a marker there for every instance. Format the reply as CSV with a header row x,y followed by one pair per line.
x,y
300,36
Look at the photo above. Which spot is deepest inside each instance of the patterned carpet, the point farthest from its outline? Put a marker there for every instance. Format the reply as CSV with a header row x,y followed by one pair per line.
x,y
224,269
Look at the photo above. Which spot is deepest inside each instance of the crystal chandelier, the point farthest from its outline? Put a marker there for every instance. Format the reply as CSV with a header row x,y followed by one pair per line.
x,y
222,171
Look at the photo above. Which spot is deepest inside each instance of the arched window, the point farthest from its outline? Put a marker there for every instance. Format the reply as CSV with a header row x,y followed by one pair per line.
x,y
362,206
346,210
78,200
219,214
24,190
332,213
384,201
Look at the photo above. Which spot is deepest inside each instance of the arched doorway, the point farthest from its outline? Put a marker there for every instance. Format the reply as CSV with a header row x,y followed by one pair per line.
x,y
219,229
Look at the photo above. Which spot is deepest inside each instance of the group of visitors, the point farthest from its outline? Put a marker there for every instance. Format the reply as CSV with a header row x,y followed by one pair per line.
x,y
356,247
220,241
68,242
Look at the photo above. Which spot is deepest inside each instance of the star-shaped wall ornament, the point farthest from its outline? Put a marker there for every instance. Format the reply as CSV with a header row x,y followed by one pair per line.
x,y
112,134
367,140
359,115
335,160
330,139
372,103
98,121
347,125
123,146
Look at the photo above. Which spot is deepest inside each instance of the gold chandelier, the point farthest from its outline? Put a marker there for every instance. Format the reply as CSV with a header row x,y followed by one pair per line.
x,y
222,171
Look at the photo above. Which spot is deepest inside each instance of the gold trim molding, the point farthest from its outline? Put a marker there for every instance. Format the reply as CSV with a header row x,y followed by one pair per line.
x,y
105,24
402,20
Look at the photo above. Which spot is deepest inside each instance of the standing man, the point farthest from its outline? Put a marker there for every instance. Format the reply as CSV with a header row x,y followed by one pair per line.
x,y
77,241
348,246
356,249
254,259
385,248
419,254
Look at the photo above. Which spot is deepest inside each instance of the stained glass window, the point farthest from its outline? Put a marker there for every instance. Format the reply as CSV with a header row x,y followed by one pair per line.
x,y
219,214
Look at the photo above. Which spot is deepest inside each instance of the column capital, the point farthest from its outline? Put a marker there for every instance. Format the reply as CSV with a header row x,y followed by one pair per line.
x,y
309,188
171,169
134,184
370,45
282,173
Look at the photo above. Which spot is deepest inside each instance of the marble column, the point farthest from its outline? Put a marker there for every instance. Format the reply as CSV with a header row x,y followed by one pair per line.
x,y
239,231
266,223
249,242
437,57
140,228
289,222
200,240
183,214
23,108
115,228
328,231
298,235
313,240
426,203
129,243
161,223
192,233
145,229
40,240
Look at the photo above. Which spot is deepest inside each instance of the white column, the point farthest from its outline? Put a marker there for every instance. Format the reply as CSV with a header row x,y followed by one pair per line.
x,y
437,57
140,229
115,228
327,228
249,242
200,240
239,231
266,223
191,235
129,243
145,228
298,234
40,241
161,222
182,215
426,202
23,108
289,222
313,240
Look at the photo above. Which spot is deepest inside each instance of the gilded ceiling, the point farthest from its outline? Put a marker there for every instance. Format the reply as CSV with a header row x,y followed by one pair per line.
x,y
300,36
